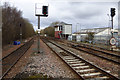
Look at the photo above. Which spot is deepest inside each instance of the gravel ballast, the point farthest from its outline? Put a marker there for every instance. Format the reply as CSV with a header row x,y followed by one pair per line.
x,y
106,65
48,63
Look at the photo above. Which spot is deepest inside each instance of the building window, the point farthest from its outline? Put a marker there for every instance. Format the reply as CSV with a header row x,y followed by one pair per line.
x,y
61,28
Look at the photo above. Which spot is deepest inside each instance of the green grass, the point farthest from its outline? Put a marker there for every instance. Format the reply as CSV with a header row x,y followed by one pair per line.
x,y
38,76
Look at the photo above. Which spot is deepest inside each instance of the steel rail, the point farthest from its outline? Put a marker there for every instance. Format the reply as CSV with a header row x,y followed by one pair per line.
x,y
27,45
116,62
99,69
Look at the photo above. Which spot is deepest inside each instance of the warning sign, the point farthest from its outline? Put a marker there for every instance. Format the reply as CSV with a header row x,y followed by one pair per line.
x,y
112,41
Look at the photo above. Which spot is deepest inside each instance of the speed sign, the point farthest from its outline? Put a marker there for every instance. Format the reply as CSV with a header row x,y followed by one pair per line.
x,y
112,41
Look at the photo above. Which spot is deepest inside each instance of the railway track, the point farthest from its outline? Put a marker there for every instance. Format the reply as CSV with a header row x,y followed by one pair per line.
x,y
10,60
104,55
84,69
114,58
96,48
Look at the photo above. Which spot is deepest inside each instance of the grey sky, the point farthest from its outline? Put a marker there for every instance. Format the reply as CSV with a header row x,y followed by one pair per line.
x,y
87,14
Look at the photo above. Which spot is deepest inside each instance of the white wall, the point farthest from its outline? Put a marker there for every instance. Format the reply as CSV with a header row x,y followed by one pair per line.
x,y
67,29
56,28
78,38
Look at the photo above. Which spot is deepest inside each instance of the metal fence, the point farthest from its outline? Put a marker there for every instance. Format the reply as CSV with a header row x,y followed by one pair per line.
x,y
105,40
98,40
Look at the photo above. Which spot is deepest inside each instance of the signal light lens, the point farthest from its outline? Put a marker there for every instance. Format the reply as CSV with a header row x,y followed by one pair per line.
x,y
112,12
45,10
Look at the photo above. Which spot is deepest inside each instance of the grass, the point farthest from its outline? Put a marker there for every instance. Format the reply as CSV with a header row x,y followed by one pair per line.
x,y
38,76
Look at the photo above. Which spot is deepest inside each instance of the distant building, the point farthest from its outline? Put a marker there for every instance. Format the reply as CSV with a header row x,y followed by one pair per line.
x,y
63,30
101,35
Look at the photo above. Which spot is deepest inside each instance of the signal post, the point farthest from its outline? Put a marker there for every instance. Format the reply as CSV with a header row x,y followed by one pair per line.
x,y
112,40
44,14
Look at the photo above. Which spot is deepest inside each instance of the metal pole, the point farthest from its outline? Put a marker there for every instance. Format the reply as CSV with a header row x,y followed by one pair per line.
x,y
112,25
38,22
109,22
80,31
76,28
38,34
112,31
20,33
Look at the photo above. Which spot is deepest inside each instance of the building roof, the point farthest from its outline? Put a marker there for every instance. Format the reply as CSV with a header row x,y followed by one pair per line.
x,y
94,30
61,23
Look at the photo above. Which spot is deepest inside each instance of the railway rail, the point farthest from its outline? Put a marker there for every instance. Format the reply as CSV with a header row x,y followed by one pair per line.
x,y
84,69
96,48
104,55
112,57
11,59
109,56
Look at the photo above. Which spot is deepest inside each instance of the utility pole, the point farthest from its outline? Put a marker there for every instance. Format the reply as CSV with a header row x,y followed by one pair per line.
x,y
80,32
109,22
76,28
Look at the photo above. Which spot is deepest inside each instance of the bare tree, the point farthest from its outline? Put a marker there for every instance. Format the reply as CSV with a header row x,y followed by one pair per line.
x,y
12,18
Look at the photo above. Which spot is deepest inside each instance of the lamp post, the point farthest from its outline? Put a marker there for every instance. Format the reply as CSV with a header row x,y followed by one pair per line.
x,y
79,30
20,33
109,21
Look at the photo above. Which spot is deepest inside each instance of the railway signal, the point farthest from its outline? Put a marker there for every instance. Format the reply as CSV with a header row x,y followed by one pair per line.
x,y
112,15
112,12
44,14
45,10
112,41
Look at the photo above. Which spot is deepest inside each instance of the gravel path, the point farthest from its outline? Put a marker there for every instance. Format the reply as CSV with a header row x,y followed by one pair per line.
x,y
48,64
19,66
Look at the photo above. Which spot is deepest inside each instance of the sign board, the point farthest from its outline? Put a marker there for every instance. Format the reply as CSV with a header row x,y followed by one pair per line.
x,y
39,9
112,41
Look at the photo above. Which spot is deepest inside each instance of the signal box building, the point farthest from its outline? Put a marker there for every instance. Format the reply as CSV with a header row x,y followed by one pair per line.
x,y
63,30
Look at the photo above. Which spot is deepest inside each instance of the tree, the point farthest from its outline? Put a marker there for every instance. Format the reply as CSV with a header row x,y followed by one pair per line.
x,y
90,36
12,18
42,32
49,31
54,23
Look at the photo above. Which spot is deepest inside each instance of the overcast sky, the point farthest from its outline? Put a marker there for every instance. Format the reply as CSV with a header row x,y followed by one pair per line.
x,y
84,14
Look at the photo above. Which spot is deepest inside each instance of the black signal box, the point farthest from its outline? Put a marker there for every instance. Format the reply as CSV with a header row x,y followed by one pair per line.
x,y
45,10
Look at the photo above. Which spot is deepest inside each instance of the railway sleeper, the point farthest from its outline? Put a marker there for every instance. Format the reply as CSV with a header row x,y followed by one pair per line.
x,y
74,65
86,71
81,67
98,78
74,62
92,75
69,60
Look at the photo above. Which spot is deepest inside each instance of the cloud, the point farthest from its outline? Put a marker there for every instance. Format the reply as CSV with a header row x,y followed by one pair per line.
x,y
90,14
